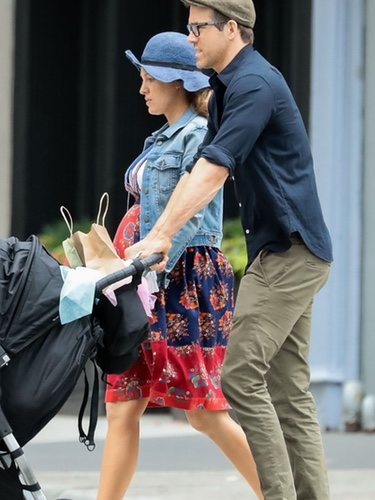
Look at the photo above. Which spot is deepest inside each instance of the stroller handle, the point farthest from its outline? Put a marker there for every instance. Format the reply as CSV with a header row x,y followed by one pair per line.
x,y
137,266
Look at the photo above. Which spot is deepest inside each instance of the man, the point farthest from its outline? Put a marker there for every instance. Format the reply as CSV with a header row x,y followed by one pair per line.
x,y
256,135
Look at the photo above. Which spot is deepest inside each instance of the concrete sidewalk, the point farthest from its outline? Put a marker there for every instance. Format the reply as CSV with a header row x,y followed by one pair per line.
x,y
203,485
178,463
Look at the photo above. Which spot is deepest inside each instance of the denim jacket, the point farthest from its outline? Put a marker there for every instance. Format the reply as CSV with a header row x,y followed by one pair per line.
x,y
173,148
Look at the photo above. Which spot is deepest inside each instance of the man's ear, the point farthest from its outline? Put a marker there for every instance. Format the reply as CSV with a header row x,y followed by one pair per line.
x,y
232,28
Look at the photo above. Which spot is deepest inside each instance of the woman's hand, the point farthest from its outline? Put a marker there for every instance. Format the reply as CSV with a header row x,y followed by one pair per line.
x,y
135,251
148,246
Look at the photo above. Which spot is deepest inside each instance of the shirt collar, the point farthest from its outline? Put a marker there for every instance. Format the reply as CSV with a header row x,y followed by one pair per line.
x,y
230,69
168,130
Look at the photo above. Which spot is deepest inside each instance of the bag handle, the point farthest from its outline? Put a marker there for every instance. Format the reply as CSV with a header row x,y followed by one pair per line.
x,y
67,218
105,196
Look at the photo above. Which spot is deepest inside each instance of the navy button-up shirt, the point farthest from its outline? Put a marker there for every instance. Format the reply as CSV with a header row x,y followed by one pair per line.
x,y
255,130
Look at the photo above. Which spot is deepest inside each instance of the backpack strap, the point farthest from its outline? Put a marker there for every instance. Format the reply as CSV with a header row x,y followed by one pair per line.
x,y
88,438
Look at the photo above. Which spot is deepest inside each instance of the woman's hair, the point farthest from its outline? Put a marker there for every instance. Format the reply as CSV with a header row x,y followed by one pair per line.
x,y
199,101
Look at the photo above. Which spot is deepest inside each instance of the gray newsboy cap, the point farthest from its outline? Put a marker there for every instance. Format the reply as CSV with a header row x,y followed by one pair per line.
x,y
242,11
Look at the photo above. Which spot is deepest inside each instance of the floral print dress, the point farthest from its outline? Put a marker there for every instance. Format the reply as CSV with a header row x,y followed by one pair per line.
x,y
180,363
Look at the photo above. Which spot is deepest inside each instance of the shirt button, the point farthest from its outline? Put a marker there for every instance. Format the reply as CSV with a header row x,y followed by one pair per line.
x,y
146,218
240,205
159,143
247,231
146,190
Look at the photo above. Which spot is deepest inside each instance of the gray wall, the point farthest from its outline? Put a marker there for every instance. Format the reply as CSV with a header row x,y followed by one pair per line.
x,y
337,140
7,8
368,253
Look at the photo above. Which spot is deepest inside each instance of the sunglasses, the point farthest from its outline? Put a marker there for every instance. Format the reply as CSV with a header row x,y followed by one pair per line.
x,y
196,27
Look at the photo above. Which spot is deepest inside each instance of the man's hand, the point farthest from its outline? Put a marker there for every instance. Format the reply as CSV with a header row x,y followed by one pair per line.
x,y
148,246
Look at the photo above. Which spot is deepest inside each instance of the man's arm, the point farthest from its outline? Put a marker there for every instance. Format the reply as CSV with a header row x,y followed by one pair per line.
x,y
193,192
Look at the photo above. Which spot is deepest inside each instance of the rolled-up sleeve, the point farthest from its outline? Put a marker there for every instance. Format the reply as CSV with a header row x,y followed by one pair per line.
x,y
247,111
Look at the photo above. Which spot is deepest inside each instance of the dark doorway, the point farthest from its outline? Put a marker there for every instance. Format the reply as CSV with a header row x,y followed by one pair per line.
x,y
78,120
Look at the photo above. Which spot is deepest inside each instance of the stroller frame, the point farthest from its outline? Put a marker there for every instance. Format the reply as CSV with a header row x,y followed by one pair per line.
x,y
16,453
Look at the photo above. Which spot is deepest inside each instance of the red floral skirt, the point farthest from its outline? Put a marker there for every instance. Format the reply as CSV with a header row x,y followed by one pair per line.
x,y
180,363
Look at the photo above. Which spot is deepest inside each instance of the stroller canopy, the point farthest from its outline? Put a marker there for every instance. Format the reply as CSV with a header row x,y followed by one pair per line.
x,y
46,358
30,284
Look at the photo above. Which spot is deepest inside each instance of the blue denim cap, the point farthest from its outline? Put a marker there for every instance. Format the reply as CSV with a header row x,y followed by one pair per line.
x,y
168,57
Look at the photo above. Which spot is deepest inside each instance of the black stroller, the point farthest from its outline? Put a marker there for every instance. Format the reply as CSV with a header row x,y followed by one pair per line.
x,y
42,360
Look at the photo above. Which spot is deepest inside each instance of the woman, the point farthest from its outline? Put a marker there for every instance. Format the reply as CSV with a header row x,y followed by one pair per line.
x,y
180,364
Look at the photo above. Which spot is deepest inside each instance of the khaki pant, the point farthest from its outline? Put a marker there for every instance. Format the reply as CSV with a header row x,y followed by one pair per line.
x,y
266,375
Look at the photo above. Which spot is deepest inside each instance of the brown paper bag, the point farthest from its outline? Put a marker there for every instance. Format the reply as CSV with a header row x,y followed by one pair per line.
x,y
71,253
96,248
